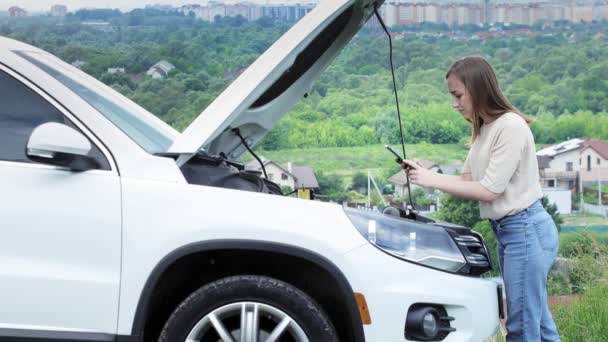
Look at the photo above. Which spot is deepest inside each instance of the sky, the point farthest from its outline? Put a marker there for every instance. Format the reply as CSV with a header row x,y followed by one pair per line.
x,y
45,5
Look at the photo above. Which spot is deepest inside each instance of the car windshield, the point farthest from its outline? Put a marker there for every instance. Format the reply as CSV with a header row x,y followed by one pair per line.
x,y
150,135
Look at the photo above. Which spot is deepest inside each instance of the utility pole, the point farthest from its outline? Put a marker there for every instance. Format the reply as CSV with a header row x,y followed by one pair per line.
x,y
580,192
370,179
599,188
369,200
599,191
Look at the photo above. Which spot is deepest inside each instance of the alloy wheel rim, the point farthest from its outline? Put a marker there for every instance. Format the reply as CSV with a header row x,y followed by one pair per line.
x,y
247,322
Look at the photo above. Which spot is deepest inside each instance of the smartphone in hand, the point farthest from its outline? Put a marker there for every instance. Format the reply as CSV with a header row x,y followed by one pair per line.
x,y
399,159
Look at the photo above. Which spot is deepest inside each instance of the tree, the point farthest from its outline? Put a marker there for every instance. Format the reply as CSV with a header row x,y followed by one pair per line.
x,y
330,187
359,180
460,211
551,208
420,196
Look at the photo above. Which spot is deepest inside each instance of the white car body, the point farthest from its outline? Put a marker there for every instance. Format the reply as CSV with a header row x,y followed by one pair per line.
x,y
82,253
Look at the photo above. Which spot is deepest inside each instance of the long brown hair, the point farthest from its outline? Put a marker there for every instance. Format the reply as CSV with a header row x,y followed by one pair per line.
x,y
480,80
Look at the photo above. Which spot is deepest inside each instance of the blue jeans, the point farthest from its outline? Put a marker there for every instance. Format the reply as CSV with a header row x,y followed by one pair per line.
x,y
527,244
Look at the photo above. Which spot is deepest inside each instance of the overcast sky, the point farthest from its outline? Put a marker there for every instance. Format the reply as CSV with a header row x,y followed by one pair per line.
x,y
45,5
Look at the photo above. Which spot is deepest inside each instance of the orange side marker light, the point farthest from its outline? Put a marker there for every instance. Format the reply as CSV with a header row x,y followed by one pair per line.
x,y
363,310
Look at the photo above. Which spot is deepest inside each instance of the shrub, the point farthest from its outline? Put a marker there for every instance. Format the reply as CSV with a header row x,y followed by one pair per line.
x,y
586,256
583,242
483,228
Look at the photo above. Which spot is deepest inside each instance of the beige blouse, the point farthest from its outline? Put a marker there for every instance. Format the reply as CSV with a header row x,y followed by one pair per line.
x,y
503,160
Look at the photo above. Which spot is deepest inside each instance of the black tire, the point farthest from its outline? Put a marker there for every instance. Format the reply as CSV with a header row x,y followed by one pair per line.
x,y
249,288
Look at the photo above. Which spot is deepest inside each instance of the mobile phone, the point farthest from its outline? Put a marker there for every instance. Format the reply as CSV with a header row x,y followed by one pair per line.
x,y
399,159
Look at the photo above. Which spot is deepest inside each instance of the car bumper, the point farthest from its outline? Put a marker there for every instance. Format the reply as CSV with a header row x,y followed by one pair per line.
x,y
391,285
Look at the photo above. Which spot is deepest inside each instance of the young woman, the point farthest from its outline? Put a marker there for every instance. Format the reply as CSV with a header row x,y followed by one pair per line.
x,y
501,172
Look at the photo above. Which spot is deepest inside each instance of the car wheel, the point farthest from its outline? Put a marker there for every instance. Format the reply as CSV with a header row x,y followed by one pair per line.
x,y
248,309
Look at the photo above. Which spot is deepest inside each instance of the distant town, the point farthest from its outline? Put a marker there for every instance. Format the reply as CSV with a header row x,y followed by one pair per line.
x,y
396,12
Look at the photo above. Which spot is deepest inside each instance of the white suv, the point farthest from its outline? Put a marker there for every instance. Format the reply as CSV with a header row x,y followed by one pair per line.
x,y
116,227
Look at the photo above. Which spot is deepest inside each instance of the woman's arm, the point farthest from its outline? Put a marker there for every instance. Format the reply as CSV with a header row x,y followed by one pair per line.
x,y
464,176
461,186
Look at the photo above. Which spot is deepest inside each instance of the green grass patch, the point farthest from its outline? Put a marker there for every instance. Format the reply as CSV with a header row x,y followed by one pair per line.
x,y
587,319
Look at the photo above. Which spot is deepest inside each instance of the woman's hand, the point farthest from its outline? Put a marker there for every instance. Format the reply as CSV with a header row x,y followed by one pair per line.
x,y
418,174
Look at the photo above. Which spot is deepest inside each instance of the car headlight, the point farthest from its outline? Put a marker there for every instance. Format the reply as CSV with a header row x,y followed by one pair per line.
x,y
409,240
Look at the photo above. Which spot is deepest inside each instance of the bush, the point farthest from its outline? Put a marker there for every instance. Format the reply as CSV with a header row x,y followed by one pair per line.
x,y
552,210
286,189
583,242
586,256
559,284
587,272
483,228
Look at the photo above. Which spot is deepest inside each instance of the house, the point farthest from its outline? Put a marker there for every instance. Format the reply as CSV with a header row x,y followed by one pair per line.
x,y
593,162
79,64
160,70
560,165
16,12
59,10
295,177
234,74
304,176
116,70
399,179
562,198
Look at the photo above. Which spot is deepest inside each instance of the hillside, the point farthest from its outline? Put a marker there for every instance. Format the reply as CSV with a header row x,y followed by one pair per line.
x,y
346,161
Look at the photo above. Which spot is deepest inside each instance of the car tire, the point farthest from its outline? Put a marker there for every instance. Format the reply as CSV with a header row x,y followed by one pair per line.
x,y
236,301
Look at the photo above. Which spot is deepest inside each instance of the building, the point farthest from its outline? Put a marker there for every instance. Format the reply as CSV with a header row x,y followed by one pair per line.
x,y
581,13
59,10
238,10
214,11
405,12
562,198
17,12
160,70
116,70
162,8
399,179
565,164
249,11
593,162
79,64
305,177
187,9
561,163
295,177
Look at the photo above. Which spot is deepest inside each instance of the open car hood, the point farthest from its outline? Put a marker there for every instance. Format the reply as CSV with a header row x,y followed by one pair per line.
x,y
273,84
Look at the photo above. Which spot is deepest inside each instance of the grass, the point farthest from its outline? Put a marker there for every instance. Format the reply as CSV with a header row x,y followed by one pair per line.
x,y
346,161
587,319
584,219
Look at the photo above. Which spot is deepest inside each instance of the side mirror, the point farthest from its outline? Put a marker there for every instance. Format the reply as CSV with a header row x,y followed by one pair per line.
x,y
57,144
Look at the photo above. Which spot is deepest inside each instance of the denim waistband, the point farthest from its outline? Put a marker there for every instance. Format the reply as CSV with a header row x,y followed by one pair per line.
x,y
531,210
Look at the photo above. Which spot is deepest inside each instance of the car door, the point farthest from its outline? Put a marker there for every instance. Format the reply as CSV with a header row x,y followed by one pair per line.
x,y
60,231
